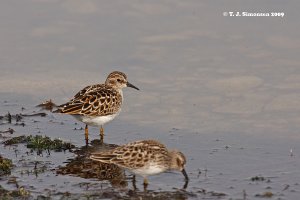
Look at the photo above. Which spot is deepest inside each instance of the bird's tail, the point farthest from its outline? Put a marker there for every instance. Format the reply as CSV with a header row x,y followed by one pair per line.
x,y
48,105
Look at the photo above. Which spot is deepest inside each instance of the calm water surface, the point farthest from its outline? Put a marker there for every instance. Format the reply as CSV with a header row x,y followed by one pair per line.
x,y
224,90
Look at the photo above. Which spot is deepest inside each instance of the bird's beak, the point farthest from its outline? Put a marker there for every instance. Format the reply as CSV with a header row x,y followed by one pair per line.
x,y
130,85
185,174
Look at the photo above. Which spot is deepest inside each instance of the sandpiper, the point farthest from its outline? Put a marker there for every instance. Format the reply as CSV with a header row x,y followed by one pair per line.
x,y
145,157
98,104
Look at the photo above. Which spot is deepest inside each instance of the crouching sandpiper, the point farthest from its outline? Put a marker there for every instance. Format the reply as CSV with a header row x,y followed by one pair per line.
x,y
145,157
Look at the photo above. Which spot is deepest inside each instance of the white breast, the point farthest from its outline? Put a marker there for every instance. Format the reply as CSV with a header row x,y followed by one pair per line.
x,y
96,121
150,169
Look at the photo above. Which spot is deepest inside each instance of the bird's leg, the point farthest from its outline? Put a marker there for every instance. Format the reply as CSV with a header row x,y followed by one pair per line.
x,y
134,182
86,133
101,134
145,183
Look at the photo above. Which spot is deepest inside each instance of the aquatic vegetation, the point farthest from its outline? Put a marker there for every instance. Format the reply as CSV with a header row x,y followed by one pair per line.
x,y
5,166
23,192
20,193
4,194
15,140
257,178
18,118
40,143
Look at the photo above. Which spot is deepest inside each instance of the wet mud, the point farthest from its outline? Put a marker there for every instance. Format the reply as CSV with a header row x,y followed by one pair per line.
x,y
36,166
37,157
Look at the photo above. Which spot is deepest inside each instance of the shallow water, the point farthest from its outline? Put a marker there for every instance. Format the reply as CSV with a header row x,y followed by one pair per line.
x,y
224,90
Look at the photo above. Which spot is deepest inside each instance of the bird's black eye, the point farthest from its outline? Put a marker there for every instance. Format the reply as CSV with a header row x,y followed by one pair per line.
x,y
119,80
178,162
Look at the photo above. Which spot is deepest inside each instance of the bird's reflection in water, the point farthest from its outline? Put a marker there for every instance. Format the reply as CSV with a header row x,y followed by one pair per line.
x,y
84,167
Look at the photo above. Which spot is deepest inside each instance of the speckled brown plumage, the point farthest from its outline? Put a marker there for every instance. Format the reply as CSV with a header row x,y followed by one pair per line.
x,y
93,100
134,155
145,157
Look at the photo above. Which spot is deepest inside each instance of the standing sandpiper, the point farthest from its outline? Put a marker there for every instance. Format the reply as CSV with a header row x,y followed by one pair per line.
x,y
145,157
98,104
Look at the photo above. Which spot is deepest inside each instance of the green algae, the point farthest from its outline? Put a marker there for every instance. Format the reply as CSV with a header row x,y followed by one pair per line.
x,y
5,166
40,143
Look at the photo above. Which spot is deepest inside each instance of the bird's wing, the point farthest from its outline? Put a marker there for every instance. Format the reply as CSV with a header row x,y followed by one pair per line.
x,y
88,89
93,100
132,155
